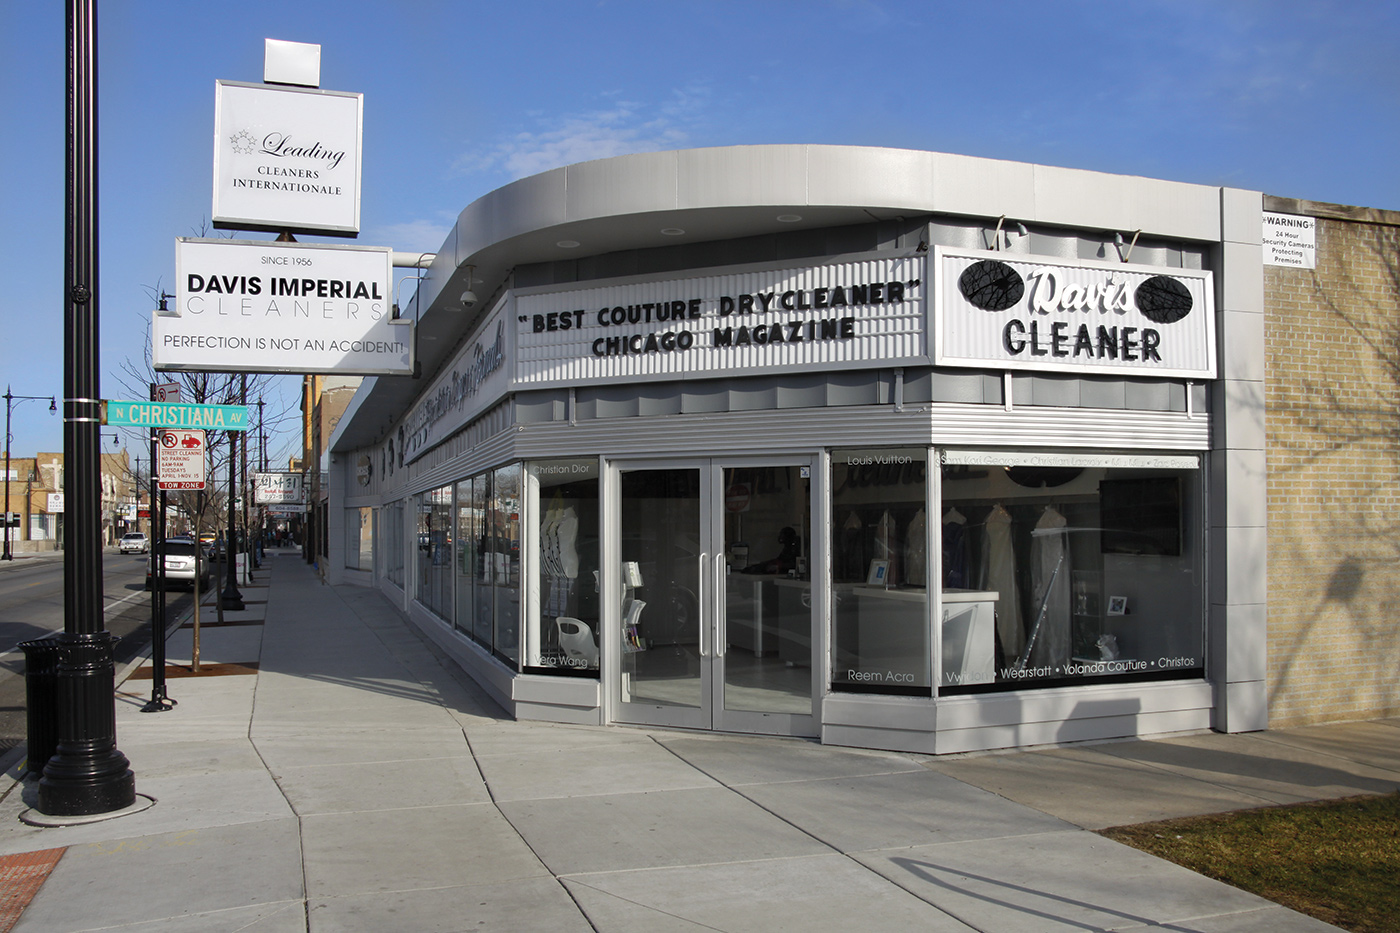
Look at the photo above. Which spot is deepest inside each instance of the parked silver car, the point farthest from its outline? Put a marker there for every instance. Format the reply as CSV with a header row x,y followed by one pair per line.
x,y
134,542
183,561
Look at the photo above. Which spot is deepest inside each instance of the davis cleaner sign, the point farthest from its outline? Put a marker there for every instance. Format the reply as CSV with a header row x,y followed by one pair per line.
x,y
257,306
996,310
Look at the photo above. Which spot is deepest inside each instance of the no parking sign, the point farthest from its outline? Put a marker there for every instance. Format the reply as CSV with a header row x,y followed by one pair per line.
x,y
180,460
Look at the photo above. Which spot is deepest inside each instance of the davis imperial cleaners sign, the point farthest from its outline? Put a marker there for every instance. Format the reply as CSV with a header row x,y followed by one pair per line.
x,y
257,306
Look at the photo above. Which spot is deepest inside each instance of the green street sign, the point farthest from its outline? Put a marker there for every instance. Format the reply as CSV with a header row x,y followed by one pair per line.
x,y
175,415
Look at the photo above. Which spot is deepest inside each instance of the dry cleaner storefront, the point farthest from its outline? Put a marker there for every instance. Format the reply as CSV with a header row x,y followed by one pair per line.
x,y
894,449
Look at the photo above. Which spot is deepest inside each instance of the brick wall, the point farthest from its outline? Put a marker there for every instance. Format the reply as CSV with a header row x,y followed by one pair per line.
x,y
1333,429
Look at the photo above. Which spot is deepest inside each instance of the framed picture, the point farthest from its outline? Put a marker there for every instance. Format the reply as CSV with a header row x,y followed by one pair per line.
x,y
1117,605
879,573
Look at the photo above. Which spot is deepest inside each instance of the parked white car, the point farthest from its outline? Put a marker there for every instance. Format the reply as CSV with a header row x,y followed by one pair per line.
x,y
134,542
184,560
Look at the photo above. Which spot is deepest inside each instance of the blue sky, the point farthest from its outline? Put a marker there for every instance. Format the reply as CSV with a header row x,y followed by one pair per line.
x,y
1290,98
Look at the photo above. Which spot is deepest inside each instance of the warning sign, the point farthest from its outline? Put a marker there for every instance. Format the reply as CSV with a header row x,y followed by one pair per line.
x,y
180,460
1290,240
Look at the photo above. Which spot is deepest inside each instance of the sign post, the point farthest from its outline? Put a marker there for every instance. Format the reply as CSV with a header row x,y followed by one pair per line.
x,y
160,701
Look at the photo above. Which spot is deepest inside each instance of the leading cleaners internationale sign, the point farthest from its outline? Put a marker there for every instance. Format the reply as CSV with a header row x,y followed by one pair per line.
x,y
287,158
260,306
997,310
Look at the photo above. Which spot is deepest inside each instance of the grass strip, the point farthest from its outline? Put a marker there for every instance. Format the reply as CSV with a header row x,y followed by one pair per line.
x,y
1336,860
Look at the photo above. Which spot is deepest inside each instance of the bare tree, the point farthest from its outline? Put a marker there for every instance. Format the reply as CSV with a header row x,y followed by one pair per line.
x,y
279,416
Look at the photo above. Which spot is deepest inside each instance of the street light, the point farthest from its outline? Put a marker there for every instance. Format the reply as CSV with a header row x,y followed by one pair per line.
x,y
10,399
87,774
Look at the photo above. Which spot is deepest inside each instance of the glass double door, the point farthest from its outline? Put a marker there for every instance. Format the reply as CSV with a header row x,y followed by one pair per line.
x,y
715,606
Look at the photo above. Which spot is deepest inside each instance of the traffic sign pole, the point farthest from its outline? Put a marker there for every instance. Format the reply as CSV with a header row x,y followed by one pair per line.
x,y
232,598
159,702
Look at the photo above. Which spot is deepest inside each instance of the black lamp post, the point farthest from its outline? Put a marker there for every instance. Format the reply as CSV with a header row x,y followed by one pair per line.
x,y
10,399
87,775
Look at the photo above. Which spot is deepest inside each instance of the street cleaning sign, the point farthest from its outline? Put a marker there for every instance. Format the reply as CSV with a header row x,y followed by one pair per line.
x,y
259,306
175,415
180,460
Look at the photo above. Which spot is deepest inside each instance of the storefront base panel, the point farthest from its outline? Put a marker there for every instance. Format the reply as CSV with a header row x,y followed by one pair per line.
x,y
1015,720
1079,714
898,724
574,700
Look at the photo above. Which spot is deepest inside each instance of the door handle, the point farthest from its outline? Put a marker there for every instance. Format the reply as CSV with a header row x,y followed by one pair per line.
x,y
700,620
721,605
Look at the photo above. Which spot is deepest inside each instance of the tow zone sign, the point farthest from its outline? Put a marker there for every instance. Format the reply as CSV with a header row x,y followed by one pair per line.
x,y
180,460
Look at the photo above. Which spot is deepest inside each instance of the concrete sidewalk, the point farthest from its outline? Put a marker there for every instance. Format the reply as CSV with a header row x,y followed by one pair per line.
x,y
341,776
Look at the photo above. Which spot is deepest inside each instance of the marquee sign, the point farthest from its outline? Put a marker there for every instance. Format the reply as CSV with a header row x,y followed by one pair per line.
x,y
287,158
864,312
996,310
260,306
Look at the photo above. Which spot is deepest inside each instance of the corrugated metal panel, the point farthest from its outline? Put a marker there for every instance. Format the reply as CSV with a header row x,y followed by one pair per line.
x,y
846,427
805,430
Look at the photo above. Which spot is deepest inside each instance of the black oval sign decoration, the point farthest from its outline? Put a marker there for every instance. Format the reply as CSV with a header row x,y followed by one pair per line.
x,y
1042,477
1163,300
991,285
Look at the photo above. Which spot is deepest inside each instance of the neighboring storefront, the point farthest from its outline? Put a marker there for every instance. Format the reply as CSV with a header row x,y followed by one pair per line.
x,y
894,449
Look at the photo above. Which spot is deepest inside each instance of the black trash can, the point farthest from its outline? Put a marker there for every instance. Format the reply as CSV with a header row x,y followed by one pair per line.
x,y
41,699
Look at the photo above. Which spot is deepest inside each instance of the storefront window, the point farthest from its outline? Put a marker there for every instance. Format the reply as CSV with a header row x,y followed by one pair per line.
x,y
503,518
468,535
880,638
422,537
435,550
1061,569
563,610
359,539
392,549
484,605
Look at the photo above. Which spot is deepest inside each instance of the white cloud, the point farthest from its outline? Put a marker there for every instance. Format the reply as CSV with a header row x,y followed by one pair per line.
x,y
412,236
623,128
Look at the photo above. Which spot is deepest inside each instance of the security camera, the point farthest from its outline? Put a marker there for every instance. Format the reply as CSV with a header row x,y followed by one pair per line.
x,y
468,298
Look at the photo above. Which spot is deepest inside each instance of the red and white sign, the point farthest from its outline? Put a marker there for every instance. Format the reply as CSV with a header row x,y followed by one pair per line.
x,y
180,460
737,497
168,392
